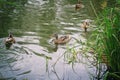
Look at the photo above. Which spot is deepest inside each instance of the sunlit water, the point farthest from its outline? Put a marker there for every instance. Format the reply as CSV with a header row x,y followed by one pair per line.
x,y
34,56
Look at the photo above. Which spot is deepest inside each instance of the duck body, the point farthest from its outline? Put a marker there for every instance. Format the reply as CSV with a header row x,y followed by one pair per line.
x,y
62,39
79,5
10,40
85,25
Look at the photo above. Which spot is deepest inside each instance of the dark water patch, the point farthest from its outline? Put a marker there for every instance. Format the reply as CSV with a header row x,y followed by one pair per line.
x,y
8,8
39,54
26,72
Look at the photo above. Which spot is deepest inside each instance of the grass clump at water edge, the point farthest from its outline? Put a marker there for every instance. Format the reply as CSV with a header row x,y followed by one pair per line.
x,y
107,42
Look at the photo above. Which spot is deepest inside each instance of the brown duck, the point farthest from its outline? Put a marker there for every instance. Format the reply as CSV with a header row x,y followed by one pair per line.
x,y
62,39
79,5
85,25
10,39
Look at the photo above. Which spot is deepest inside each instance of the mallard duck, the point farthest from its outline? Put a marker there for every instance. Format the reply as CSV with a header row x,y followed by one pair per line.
x,y
62,39
85,25
79,5
10,39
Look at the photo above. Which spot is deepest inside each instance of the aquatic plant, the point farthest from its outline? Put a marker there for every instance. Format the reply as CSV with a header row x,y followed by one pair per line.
x,y
107,42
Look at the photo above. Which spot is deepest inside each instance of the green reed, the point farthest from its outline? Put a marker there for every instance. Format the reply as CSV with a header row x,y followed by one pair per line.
x,y
108,40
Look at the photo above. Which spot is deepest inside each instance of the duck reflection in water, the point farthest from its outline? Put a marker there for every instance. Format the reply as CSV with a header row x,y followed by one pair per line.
x,y
55,48
9,41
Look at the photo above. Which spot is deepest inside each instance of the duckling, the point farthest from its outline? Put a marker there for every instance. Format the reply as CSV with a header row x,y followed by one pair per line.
x,y
62,39
85,25
79,5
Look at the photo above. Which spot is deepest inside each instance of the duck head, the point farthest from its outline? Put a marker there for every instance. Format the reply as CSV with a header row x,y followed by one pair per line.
x,y
55,35
10,36
79,2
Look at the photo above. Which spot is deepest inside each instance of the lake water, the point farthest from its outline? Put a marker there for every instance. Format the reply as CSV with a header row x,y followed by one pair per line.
x,y
34,56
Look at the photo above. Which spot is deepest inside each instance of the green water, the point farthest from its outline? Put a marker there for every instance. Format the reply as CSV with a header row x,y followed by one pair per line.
x,y
33,56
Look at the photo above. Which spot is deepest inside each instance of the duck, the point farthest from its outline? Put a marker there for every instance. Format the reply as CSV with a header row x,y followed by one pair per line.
x,y
9,41
85,25
61,40
79,5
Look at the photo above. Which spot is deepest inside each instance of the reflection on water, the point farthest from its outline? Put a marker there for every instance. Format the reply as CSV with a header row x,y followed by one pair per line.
x,y
34,57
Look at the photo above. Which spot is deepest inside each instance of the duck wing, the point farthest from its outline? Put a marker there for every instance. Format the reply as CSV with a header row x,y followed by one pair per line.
x,y
62,38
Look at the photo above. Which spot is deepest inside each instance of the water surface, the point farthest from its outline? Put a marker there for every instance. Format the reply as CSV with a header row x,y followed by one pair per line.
x,y
34,56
